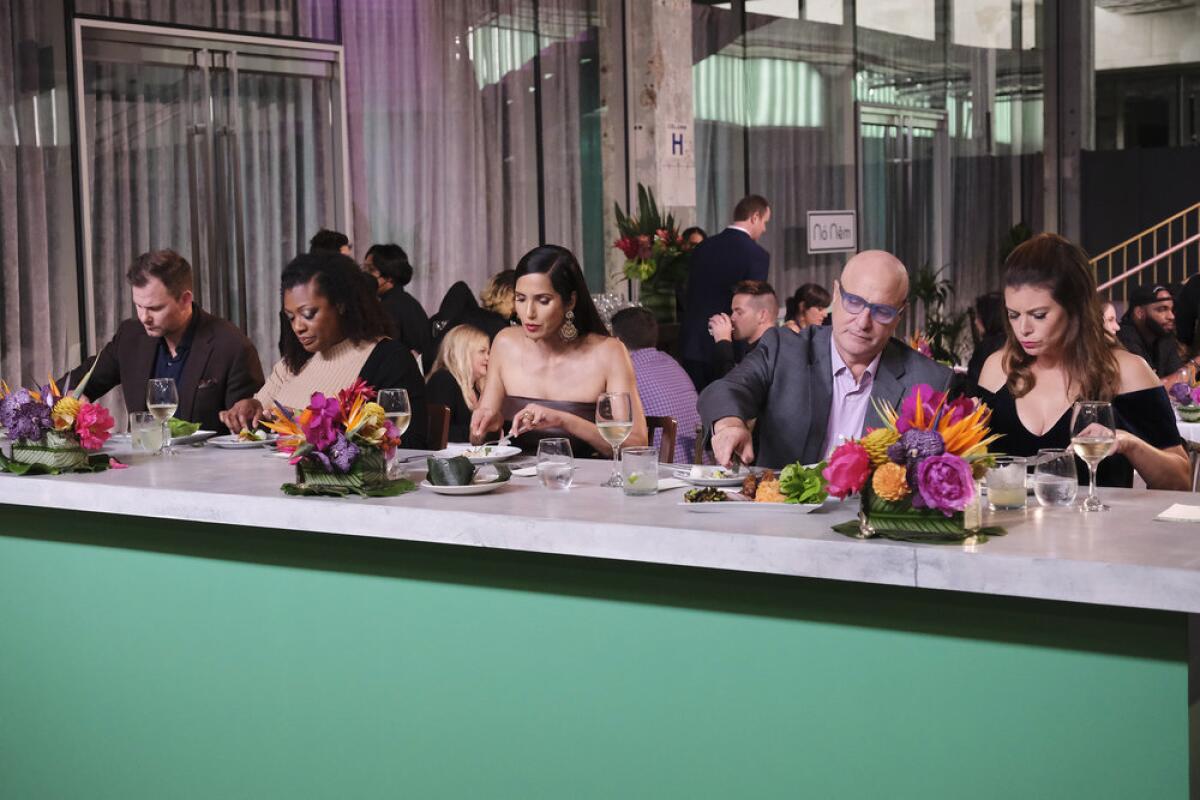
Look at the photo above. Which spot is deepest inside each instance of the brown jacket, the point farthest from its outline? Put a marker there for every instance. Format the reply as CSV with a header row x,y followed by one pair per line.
x,y
222,367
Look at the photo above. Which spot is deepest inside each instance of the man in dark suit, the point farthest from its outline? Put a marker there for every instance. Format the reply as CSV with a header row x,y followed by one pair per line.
x,y
715,266
213,363
812,390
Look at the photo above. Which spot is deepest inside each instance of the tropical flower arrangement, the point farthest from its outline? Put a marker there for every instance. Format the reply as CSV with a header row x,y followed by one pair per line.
x,y
917,474
1187,401
919,342
339,445
53,431
653,250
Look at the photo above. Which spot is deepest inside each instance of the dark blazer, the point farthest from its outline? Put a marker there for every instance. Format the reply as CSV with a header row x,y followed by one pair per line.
x,y
412,324
221,369
391,366
442,389
717,263
786,383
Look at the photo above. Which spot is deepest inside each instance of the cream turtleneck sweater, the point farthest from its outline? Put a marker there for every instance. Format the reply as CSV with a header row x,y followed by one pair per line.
x,y
327,372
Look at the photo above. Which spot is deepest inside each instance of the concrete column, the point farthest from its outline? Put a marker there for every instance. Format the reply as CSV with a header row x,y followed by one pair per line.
x,y
655,60
1069,109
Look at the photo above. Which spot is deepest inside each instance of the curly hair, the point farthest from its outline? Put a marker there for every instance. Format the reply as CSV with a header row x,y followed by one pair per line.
x,y
1050,262
347,288
566,277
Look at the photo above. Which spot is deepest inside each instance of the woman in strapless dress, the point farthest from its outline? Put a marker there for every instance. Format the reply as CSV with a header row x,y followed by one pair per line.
x,y
546,375
1058,352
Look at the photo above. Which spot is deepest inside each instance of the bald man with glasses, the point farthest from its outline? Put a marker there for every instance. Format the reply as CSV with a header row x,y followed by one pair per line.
x,y
810,391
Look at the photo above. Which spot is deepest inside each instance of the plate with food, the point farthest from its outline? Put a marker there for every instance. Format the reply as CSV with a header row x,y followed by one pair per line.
x,y
244,439
458,475
483,454
700,475
797,489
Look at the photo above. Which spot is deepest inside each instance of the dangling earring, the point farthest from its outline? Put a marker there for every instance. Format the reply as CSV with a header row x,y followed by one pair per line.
x,y
568,331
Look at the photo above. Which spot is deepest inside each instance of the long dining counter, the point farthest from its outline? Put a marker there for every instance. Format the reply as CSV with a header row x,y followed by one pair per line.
x,y
182,627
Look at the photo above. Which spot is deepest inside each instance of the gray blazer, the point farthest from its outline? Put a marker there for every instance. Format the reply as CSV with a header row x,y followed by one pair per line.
x,y
786,383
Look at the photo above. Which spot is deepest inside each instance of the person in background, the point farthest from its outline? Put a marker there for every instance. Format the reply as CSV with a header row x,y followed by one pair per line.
x,y
459,307
988,331
665,389
755,309
1057,352
327,241
388,264
1148,330
691,237
808,306
811,390
714,267
1112,324
334,331
546,375
213,363
1187,313
457,377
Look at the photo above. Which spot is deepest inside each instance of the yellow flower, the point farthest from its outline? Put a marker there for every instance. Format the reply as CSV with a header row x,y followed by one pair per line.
x,y
64,412
367,424
877,442
891,482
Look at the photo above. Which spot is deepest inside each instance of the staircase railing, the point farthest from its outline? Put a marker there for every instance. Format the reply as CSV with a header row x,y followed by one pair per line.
x,y
1166,253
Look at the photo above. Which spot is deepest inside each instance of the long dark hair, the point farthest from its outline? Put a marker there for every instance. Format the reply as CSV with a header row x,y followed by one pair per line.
x,y
347,288
1051,262
989,310
559,264
811,295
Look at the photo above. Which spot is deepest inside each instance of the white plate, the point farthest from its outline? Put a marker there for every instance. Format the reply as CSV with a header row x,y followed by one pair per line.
x,y
708,481
231,442
178,441
470,488
749,506
495,453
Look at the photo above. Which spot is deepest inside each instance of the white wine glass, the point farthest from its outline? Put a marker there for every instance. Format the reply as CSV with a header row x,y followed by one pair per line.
x,y
1093,438
162,398
398,410
614,418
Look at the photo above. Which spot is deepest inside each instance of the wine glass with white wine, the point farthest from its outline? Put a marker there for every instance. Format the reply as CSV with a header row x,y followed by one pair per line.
x,y
162,398
614,418
396,408
1093,438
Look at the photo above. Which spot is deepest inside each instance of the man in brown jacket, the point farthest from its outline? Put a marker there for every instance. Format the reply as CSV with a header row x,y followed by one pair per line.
x,y
213,363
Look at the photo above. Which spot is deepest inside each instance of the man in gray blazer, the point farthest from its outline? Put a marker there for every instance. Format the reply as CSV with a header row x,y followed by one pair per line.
x,y
810,391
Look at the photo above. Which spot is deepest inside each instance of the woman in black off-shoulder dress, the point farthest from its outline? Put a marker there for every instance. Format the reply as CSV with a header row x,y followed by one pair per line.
x,y
1057,352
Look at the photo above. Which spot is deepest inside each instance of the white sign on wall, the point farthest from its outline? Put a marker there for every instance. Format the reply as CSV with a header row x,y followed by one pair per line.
x,y
832,231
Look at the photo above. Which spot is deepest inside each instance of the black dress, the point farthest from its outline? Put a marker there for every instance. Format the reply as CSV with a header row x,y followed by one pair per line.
x,y
412,324
444,390
391,366
1146,413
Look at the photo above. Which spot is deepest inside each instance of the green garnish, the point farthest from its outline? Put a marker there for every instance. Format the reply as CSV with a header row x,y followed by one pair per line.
x,y
801,484
180,427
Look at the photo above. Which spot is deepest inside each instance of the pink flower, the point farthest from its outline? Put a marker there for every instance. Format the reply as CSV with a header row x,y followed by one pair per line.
x,y
930,400
945,483
351,393
849,467
319,422
114,464
627,246
1196,395
92,426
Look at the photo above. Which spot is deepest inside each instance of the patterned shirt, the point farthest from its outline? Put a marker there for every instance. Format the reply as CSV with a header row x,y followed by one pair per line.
x,y
667,391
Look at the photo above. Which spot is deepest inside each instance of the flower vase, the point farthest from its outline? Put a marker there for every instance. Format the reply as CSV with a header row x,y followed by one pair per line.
x,y
887,518
57,451
660,301
368,471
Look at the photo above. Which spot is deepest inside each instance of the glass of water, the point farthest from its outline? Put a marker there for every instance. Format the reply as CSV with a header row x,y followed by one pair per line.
x,y
639,470
1006,484
1055,481
145,432
555,463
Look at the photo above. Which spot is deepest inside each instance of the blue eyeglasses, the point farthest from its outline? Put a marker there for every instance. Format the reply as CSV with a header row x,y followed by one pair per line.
x,y
880,312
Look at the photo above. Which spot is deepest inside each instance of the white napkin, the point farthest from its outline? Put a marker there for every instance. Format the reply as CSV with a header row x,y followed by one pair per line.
x,y
1180,513
671,483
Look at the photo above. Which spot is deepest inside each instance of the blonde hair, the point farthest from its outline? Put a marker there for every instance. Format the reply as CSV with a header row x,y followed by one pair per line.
x,y
454,356
499,293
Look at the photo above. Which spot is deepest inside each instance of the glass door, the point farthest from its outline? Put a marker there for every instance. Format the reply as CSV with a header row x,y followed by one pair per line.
x,y
903,173
228,149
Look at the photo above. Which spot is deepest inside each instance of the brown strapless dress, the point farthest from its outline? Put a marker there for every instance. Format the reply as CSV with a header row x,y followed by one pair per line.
x,y
529,441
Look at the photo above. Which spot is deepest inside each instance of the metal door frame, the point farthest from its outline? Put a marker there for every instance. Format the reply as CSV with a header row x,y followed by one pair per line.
x,y
908,120
238,47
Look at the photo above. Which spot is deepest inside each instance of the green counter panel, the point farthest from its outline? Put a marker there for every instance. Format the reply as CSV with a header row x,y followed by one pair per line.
x,y
147,659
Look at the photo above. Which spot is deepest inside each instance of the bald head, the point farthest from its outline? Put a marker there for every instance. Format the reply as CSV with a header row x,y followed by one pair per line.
x,y
873,287
878,276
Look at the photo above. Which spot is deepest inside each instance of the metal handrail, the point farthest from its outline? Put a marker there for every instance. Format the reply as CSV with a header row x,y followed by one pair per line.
x,y
1151,230
1174,242
1129,273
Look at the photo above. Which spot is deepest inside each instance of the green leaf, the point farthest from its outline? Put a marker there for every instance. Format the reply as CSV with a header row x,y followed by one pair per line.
x,y
802,484
180,427
457,471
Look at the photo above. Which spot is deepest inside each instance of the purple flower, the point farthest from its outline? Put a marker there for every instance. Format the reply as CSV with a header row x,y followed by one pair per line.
x,y
24,417
945,483
319,421
1181,393
916,445
344,453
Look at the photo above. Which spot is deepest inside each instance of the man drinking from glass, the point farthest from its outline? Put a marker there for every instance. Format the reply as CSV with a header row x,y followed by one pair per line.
x,y
812,390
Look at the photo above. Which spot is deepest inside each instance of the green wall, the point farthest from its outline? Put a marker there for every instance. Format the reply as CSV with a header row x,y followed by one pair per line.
x,y
163,659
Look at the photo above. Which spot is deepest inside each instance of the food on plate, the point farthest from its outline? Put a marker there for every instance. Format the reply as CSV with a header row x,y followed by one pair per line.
x,y
181,427
479,452
459,471
708,494
257,435
709,473
796,483
768,492
751,482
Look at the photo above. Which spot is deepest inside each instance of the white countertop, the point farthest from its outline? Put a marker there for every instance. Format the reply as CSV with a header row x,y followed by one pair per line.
x,y
1120,558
